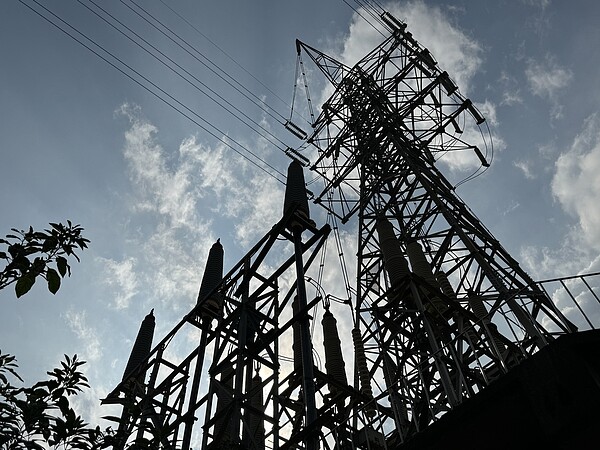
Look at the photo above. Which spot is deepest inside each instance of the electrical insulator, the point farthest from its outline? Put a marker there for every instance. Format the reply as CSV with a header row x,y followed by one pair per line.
x,y
448,290
141,347
422,268
390,373
445,285
481,312
478,308
363,371
393,258
334,359
295,192
296,346
213,275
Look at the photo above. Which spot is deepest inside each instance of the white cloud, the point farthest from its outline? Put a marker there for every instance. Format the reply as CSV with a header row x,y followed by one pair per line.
x,y
242,191
576,184
546,79
548,151
525,167
456,52
514,205
540,20
512,94
465,161
121,276
510,98
168,192
182,201
546,262
78,323
542,4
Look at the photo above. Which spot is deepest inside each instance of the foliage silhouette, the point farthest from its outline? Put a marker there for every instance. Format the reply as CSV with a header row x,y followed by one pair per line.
x,y
41,416
32,253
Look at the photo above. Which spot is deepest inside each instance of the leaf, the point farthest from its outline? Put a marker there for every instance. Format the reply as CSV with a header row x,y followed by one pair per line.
x,y
112,418
15,250
24,284
50,244
63,266
53,280
63,404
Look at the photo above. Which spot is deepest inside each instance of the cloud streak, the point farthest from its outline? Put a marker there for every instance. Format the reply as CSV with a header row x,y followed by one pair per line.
x,y
576,184
181,202
576,187
121,277
78,323
546,79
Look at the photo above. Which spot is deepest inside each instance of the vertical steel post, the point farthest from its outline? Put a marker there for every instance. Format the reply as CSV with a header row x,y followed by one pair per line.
x,y
189,422
308,378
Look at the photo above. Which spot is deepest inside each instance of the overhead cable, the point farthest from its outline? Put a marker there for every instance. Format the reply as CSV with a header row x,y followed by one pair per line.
x,y
206,62
223,52
356,10
159,93
204,87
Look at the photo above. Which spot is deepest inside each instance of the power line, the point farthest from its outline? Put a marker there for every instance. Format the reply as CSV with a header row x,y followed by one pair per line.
x,y
259,102
363,17
222,51
204,85
206,62
171,101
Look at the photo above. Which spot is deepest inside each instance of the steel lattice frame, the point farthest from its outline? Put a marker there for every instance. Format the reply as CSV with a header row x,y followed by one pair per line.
x,y
379,135
429,339
212,393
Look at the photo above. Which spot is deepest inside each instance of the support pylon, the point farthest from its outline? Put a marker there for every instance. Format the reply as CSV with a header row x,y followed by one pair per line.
x,y
441,312
238,318
443,308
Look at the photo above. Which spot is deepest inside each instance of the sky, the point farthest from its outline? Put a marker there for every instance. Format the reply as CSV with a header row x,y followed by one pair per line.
x,y
155,185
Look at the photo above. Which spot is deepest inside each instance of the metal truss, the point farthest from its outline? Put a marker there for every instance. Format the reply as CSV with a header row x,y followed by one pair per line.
x,y
441,309
464,312
238,376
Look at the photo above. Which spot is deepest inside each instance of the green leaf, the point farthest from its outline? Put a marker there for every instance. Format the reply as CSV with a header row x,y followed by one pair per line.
x,y
53,280
24,284
63,266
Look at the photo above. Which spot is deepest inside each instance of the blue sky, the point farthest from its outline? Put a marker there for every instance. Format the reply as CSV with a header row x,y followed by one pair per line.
x,y
81,141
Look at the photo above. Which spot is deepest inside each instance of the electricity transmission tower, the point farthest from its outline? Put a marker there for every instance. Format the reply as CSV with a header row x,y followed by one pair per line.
x,y
440,309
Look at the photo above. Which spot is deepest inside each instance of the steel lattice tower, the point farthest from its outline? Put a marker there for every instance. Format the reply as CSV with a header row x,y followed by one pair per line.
x,y
441,310
464,312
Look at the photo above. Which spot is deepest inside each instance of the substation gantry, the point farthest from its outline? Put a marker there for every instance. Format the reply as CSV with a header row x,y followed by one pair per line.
x,y
440,312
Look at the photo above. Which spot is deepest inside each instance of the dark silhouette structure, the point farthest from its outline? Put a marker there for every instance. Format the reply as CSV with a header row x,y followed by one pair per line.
x,y
453,343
